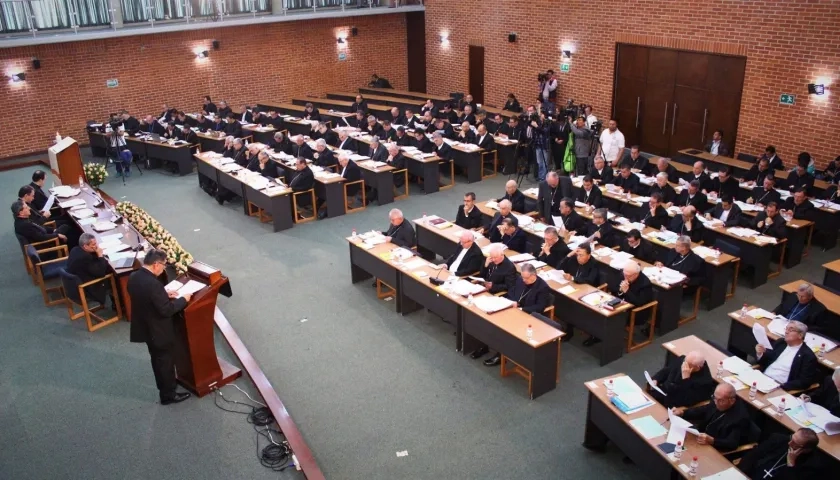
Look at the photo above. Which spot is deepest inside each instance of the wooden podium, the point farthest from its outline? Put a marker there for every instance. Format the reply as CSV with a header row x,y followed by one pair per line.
x,y
198,368
66,161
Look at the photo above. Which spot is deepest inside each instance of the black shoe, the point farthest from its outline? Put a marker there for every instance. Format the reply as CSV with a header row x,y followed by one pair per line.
x,y
177,398
493,361
591,341
220,199
479,353
322,214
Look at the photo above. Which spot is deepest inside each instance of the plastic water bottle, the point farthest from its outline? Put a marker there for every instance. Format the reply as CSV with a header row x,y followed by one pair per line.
x,y
354,233
678,451
692,467
424,218
821,351
744,311
610,390
753,390
81,181
720,369
470,300
780,408
530,334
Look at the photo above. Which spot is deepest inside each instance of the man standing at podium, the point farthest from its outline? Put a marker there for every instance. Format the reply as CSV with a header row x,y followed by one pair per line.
x,y
152,308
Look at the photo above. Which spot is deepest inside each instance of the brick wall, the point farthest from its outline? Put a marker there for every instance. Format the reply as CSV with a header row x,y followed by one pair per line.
x,y
788,44
263,62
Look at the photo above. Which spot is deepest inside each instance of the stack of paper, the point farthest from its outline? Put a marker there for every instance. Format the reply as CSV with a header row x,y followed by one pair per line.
x,y
629,397
765,239
764,383
666,236
595,298
742,232
524,220
675,210
82,213
114,248
735,365
532,191
664,275
230,167
746,207
65,191
520,257
818,416
704,252
72,203
648,427
731,473
104,226
182,289
492,204
535,263
815,341
465,288
555,275
777,325
491,303
603,252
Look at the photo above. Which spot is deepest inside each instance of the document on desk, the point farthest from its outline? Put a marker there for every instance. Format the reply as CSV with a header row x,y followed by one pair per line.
x,y
184,288
653,385
731,473
72,203
764,383
735,365
83,213
648,427
760,335
815,341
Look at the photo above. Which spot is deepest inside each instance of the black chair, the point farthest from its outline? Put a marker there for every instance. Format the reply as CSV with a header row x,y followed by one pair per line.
x,y
74,291
46,272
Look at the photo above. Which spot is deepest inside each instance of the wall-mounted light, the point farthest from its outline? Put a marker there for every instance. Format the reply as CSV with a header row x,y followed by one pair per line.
x,y
18,77
202,54
340,41
816,89
444,39
567,54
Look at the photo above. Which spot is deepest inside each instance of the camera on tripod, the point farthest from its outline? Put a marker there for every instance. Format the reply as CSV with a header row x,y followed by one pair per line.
x,y
596,128
542,76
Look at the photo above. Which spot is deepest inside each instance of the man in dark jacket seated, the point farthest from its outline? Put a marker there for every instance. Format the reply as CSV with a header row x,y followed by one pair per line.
x,y
553,250
724,422
785,457
627,180
511,235
579,267
826,396
683,260
512,194
765,193
798,206
634,288
637,246
600,229
498,272
590,194
87,262
686,224
400,232
769,222
469,216
790,362
726,211
685,381
467,259
656,216
807,309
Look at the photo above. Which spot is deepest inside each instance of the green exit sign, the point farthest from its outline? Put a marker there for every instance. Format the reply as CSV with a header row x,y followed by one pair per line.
x,y
564,67
787,99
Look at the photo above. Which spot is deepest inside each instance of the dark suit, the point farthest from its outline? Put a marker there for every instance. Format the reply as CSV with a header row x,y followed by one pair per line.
x,y
502,276
681,392
348,144
729,187
690,265
234,129
471,263
586,273
826,396
572,222
402,235
730,429
444,151
515,242
357,106
446,130
424,145
669,195
609,235
302,150
388,135
629,184
766,455
733,219
375,129
131,125
486,142
303,180
467,118
556,254
777,229
41,197
605,175
351,173
492,229
699,201
151,322
398,162
517,201
548,201
804,370
703,180
640,163
88,266
811,314
325,158
643,252
803,211
33,232
472,220
379,154
532,298
594,197
284,146
465,136
757,176
722,150
268,170
673,174
658,220
678,226
759,195
796,182
404,141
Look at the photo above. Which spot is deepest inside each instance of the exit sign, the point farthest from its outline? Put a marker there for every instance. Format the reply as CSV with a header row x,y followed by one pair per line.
x,y
112,83
787,99
342,56
564,67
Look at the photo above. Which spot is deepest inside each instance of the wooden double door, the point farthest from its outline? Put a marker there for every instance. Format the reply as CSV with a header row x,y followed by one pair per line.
x,y
667,100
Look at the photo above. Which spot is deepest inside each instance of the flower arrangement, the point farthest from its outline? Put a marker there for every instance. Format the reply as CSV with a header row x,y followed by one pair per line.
x,y
95,174
156,235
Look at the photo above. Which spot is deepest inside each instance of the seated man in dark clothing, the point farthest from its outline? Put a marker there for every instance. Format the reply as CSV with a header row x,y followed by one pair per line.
x,y
600,229
634,159
633,287
724,422
498,272
579,267
627,180
799,178
553,250
656,216
726,211
691,195
683,260
637,246
512,236
30,230
769,222
469,216
826,396
798,206
516,198
87,262
685,381
663,188
724,184
807,309
791,362
687,224
785,457
765,193
590,194
400,232
467,258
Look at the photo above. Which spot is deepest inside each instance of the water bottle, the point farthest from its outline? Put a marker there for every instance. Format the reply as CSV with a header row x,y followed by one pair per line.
x,y
780,408
720,370
753,390
678,451
821,351
354,233
610,391
744,311
81,181
692,467
530,334
424,218
470,300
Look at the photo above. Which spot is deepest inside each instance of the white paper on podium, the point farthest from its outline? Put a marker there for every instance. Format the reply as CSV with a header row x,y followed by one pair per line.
x,y
190,287
653,385
760,335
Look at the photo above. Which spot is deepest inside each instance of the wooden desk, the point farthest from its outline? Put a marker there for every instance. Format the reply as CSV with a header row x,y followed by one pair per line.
x,y
299,127
380,100
469,159
343,106
380,178
154,152
277,203
832,275
329,189
608,325
426,168
504,331
753,253
259,133
830,444
421,97
507,154
605,422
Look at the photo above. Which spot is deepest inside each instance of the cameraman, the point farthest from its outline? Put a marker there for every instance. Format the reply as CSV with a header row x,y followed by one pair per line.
x,y
583,144
536,134
612,144
548,91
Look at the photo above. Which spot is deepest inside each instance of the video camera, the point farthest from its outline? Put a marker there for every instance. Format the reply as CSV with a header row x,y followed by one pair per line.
x,y
542,77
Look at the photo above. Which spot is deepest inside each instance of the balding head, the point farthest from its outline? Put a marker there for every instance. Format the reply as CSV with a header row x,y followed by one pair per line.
x,y
496,253
695,360
343,159
552,178
631,271
510,187
504,207
467,238
393,149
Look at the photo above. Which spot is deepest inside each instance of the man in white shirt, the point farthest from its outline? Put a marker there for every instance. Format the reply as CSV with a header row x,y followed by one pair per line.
x,y
790,362
468,259
612,144
548,92
590,118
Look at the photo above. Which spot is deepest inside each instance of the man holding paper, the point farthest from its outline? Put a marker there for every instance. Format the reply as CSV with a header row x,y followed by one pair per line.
x,y
790,361
725,421
152,308
87,262
684,382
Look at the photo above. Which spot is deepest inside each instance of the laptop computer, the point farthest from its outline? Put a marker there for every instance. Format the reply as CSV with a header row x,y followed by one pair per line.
x,y
155,137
